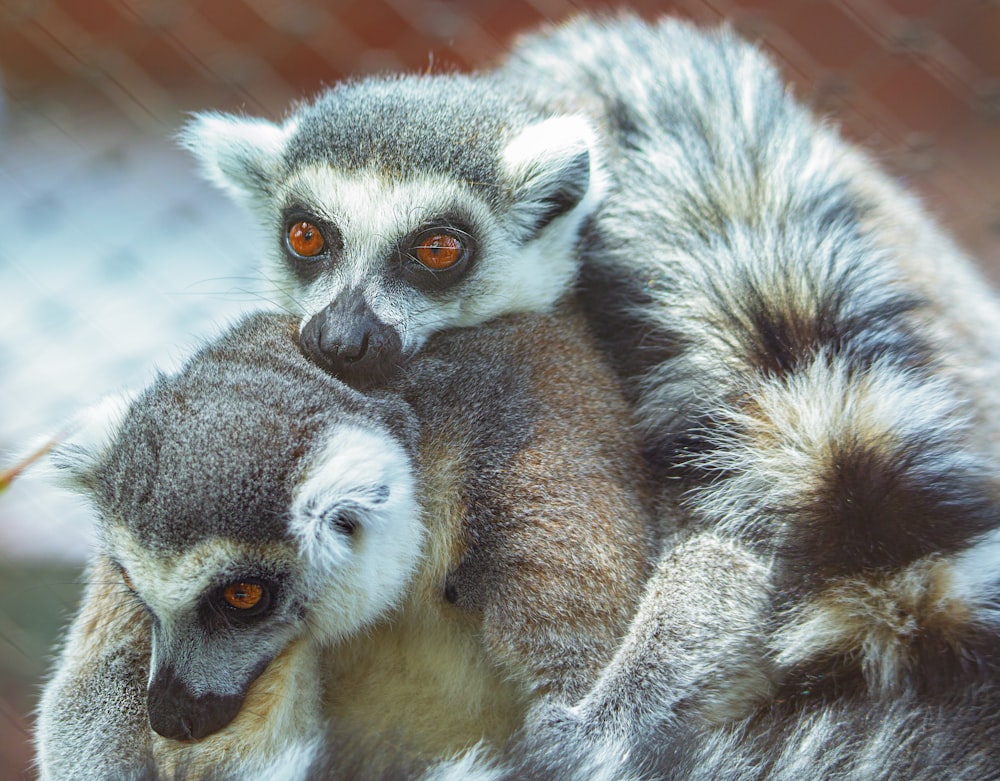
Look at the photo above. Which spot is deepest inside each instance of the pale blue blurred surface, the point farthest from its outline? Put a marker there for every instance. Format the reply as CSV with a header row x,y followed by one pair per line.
x,y
116,259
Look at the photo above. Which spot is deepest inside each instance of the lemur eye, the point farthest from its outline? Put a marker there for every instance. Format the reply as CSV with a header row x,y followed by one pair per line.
x,y
438,251
245,596
305,239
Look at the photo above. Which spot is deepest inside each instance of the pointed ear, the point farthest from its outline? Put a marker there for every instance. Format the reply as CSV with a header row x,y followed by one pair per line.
x,y
358,526
359,485
553,168
241,155
86,440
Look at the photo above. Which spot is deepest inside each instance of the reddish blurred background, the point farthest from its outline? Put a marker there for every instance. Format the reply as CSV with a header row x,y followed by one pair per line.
x,y
915,81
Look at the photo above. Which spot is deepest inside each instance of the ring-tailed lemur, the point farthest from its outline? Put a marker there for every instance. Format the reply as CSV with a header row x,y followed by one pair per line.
x,y
817,367
401,207
716,232
278,549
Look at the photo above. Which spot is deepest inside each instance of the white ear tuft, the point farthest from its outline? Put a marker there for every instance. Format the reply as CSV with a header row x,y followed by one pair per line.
x,y
358,528
241,155
85,440
554,168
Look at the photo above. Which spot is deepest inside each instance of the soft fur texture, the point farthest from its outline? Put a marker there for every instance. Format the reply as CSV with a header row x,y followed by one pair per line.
x,y
422,548
814,368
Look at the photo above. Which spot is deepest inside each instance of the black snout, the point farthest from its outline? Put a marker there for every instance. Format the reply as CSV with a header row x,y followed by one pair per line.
x,y
349,341
176,713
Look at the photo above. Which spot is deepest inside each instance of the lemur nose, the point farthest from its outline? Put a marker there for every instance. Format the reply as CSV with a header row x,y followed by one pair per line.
x,y
176,713
348,340
347,346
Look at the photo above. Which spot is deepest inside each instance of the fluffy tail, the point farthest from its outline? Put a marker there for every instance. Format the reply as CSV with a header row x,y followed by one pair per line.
x,y
815,371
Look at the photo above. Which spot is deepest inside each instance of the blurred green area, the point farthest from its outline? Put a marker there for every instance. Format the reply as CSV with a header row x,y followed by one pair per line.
x,y
36,603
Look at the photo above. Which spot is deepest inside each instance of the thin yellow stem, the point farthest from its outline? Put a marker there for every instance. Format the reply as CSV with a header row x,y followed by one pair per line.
x,y
9,475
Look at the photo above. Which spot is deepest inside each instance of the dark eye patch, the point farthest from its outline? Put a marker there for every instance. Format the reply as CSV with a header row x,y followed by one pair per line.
x,y
438,254
239,601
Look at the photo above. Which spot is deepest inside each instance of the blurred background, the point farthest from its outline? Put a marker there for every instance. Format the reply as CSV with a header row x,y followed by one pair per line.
x,y
116,259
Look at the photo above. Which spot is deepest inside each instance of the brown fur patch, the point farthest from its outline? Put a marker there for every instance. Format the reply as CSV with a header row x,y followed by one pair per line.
x,y
109,613
575,551
881,621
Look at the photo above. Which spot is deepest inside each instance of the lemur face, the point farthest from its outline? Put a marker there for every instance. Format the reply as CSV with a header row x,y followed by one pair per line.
x,y
248,501
220,613
225,607
402,207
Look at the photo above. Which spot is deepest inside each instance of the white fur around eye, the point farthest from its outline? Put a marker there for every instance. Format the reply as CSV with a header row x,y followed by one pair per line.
x,y
355,576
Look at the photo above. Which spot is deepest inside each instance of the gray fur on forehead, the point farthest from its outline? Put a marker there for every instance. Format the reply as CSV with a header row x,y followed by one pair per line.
x,y
409,125
214,450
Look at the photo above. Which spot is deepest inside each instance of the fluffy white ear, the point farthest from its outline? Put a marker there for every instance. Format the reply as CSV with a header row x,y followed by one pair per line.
x,y
82,443
358,485
241,155
554,169
358,527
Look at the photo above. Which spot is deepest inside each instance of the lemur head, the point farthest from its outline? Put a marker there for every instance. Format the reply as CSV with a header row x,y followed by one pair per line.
x,y
401,207
248,500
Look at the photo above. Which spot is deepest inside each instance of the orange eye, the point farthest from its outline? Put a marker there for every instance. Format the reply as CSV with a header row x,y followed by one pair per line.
x,y
439,251
243,596
128,581
305,239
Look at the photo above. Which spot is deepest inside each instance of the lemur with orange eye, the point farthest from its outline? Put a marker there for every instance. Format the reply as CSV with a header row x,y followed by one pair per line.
x,y
402,207
812,363
282,556
713,229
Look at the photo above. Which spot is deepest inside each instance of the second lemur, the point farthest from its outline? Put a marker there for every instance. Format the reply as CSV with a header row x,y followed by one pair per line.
x,y
281,553
401,207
